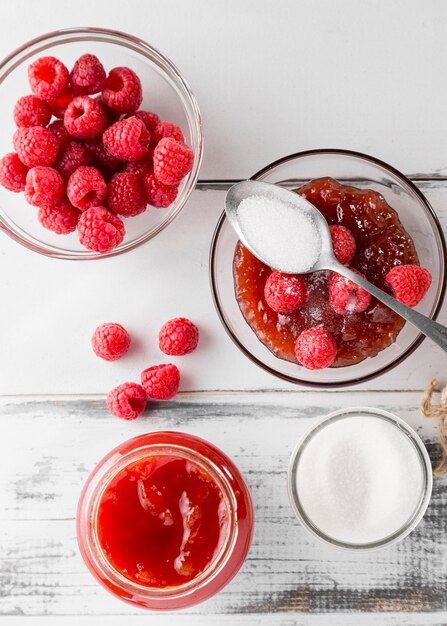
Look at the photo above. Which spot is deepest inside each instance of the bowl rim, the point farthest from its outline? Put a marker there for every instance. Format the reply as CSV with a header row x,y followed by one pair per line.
x,y
419,338
139,45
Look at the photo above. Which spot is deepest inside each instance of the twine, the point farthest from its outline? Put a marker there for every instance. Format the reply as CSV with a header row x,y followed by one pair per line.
x,y
440,411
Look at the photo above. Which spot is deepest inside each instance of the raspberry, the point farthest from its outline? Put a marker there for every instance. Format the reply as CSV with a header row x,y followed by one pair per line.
x,y
44,186
59,105
110,341
410,283
149,119
178,337
85,118
127,401
125,195
86,187
161,382
343,243
127,139
123,92
31,111
104,161
345,296
100,230
166,129
140,168
61,219
71,156
87,76
158,194
36,146
315,348
60,132
48,77
172,161
285,293
12,172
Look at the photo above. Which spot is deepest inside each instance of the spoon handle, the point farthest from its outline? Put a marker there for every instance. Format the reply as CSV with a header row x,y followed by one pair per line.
x,y
436,332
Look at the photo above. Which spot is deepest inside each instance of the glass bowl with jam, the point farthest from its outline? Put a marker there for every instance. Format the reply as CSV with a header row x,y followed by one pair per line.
x,y
392,224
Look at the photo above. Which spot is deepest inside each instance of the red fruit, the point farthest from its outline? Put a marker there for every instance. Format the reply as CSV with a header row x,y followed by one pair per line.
x,y
48,77
127,139
71,156
410,283
343,243
85,118
36,146
110,341
12,172
161,382
167,129
59,105
149,119
158,194
31,111
285,293
60,132
172,161
177,337
86,188
315,348
140,168
44,187
127,401
61,219
100,230
104,161
345,296
87,76
123,92
125,195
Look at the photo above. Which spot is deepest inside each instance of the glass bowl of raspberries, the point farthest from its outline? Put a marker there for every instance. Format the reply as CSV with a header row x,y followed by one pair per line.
x,y
101,143
319,329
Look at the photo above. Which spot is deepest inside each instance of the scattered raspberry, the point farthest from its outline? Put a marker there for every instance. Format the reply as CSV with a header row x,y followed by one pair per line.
x,y
178,337
410,283
87,76
36,146
85,118
60,132
285,293
61,219
127,139
172,161
59,105
44,186
343,243
100,230
127,401
48,77
345,296
31,111
315,348
110,341
12,172
125,195
104,161
123,92
71,156
86,187
158,194
149,119
140,168
167,129
161,382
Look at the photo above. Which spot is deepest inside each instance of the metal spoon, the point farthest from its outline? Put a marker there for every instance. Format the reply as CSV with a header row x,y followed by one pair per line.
x,y
326,260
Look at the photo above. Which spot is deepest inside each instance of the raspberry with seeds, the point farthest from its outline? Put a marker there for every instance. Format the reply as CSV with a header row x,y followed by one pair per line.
x,y
59,105
315,348
178,337
104,161
127,401
285,293
172,161
85,118
161,382
60,132
44,186
345,296
88,75
167,129
158,194
35,146
86,187
125,195
47,77
123,92
343,243
410,283
127,139
12,172
31,111
100,230
110,341
140,168
72,156
149,119
61,219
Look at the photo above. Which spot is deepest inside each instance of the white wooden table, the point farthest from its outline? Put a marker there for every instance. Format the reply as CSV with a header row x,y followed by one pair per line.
x,y
271,78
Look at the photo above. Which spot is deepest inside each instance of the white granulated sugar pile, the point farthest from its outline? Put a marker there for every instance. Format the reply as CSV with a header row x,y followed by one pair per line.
x,y
283,236
359,479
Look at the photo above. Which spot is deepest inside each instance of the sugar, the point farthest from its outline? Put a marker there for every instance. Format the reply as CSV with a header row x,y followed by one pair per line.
x,y
359,479
284,237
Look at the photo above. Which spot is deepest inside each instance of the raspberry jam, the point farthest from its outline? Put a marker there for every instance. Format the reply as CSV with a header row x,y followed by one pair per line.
x,y
165,520
381,243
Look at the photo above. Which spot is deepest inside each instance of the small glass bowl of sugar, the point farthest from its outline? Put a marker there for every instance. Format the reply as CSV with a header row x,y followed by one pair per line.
x,y
360,479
